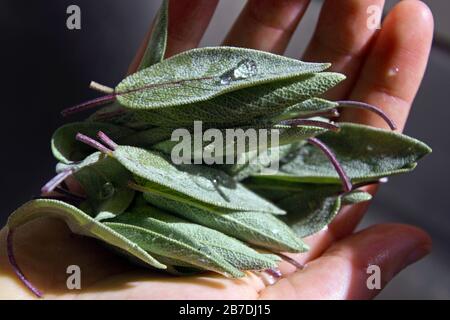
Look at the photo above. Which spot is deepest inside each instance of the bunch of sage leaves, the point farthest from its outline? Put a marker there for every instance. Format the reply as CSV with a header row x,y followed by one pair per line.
x,y
226,218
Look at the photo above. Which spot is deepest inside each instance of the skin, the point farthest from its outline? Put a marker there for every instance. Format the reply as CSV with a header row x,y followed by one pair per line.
x,y
384,67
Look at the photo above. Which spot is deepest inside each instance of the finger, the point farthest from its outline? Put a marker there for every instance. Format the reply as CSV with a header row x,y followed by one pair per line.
x,y
395,66
341,273
266,24
342,37
350,216
188,20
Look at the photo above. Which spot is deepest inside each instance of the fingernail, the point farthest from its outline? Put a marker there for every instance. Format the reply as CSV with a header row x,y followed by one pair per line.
x,y
417,254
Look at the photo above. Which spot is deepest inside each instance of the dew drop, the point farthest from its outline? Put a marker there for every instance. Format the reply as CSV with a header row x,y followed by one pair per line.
x,y
266,278
245,69
107,191
204,182
393,71
384,180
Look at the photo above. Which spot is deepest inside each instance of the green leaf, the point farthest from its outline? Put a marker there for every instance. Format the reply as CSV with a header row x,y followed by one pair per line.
x,y
259,161
105,185
355,197
190,183
239,141
147,138
79,223
310,212
156,46
309,207
203,239
201,74
305,108
155,240
67,150
365,153
257,228
115,205
76,166
118,115
244,106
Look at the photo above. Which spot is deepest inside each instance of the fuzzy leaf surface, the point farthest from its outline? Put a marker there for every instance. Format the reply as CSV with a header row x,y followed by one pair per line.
x,y
257,228
365,153
79,223
192,183
198,75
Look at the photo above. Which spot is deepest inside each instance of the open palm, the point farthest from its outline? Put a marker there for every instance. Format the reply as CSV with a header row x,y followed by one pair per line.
x,y
383,67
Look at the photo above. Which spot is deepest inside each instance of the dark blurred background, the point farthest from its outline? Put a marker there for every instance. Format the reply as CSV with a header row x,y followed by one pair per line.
x,y
46,67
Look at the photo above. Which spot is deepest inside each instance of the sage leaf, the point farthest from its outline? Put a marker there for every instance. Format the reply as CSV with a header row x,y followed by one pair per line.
x,y
118,115
105,184
79,223
257,228
244,106
76,166
355,197
309,207
67,149
114,205
191,183
310,212
242,142
201,74
231,250
156,46
157,237
365,153
306,108
170,245
257,162
147,138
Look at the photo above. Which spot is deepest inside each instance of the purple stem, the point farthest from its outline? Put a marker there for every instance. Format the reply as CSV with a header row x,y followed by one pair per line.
x,y
314,123
91,142
107,140
369,107
55,181
15,266
88,105
347,184
109,98
274,273
288,259
333,113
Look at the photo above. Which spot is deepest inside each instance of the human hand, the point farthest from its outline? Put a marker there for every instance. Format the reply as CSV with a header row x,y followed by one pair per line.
x,y
383,68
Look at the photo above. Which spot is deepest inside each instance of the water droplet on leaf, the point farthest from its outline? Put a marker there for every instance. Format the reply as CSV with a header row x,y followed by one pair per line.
x,y
245,69
107,191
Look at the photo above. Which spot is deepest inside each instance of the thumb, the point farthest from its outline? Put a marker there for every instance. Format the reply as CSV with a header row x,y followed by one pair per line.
x,y
344,272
